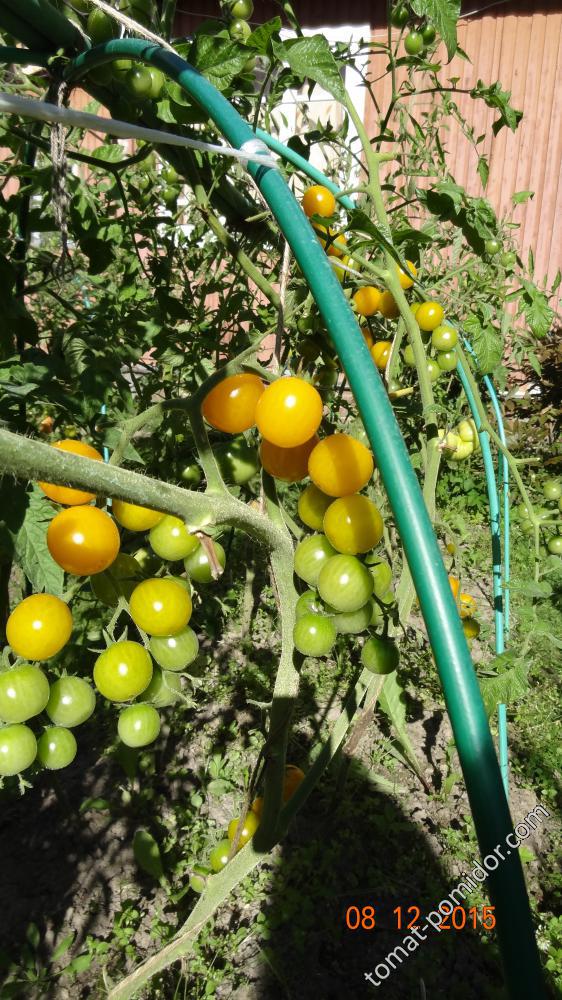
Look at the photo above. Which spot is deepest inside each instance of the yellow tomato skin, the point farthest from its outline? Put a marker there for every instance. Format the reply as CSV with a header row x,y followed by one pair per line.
x,y
380,353
368,338
160,606
312,506
83,540
230,406
367,300
340,465
289,412
288,464
388,306
39,627
407,280
250,826
353,524
257,806
66,495
467,605
335,242
471,628
133,517
318,200
293,778
455,585
429,315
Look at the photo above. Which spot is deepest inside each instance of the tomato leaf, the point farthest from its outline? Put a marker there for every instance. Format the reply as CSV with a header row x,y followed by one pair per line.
x,y
486,342
147,854
498,99
260,39
31,547
444,14
393,703
536,310
217,59
506,688
311,58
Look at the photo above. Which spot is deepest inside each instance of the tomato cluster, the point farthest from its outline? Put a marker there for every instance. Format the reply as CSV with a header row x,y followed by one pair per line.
x,y
461,442
551,492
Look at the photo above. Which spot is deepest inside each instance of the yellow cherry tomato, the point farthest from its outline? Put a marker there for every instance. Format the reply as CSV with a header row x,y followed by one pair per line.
x,y
471,628
287,464
66,495
340,465
467,605
407,279
160,606
367,337
134,517
455,585
289,412
380,353
257,806
353,524
249,827
312,506
367,300
83,540
429,315
334,243
318,200
230,406
293,778
39,627
388,306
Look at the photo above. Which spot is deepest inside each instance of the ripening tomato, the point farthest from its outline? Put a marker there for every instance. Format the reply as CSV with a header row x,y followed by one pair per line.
x,y
65,494
467,431
230,405
312,505
83,540
71,702
381,573
18,749
164,689
433,370
429,316
24,692
56,748
314,635
454,585
353,622
446,360
444,338
471,628
294,777
380,353
409,358
133,517
287,464
388,305
218,857
123,671
407,278
334,243
257,806
198,565
345,583
367,300
249,827
318,200
340,465
160,607
39,627
310,555
467,605
353,524
138,725
380,656
171,540
367,337
289,412
175,652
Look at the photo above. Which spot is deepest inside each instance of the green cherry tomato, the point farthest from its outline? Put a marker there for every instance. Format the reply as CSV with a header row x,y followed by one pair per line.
x,y
353,622
447,360
171,540
380,656
71,702
399,16
310,556
101,27
170,196
56,748
381,572
238,461
117,581
249,827
198,878
239,30
309,603
218,857
492,247
508,260
314,635
175,652
345,583
158,81
241,8
169,174
554,545
409,358
123,671
192,474
198,565
163,690
312,505
138,82
138,725
18,749
433,370
444,338
413,43
552,489
24,692
428,34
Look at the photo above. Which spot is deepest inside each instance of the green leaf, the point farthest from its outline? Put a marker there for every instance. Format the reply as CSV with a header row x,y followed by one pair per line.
x,y
499,100
31,547
33,936
311,59
147,854
506,688
444,14
483,169
217,59
260,39
111,153
393,703
63,947
486,342
522,196
536,310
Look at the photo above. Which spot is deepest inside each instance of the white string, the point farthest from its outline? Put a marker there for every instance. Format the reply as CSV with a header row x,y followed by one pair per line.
x,y
42,111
